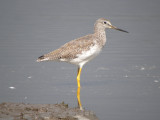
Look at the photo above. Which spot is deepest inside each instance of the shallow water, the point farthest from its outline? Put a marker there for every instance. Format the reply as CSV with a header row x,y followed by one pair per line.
x,y
122,83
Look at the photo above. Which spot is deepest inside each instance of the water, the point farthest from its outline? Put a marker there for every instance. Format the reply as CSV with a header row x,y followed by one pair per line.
x,y
122,83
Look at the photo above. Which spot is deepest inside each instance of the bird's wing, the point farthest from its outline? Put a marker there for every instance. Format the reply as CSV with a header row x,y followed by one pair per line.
x,y
71,49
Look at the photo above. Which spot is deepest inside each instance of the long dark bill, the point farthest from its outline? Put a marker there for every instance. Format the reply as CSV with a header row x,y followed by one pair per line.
x,y
113,27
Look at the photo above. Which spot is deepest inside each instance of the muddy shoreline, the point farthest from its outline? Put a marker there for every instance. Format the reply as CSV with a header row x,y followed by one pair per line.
x,y
22,111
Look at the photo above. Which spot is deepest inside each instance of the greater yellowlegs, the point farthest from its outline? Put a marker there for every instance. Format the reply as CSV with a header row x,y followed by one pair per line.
x,y
81,50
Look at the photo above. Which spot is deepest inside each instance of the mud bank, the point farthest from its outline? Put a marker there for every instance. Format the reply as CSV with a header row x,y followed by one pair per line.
x,y
21,111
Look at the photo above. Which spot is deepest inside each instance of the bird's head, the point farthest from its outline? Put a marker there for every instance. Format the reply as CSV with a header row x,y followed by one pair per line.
x,y
104,23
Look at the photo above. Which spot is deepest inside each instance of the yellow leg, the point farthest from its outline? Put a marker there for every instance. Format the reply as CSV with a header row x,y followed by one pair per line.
x,y
79,88
78,77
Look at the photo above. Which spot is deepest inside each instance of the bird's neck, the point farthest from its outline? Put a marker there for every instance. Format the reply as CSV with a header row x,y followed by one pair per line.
x,y
100,33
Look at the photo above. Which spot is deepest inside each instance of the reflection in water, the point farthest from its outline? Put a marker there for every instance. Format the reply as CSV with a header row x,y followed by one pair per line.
x,y
79,88
78,98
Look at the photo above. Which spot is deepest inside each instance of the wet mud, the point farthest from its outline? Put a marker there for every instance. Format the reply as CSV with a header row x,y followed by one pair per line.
x,y
21,111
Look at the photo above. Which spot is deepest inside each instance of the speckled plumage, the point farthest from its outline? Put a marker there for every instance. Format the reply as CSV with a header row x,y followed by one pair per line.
x,y
73,49
83,49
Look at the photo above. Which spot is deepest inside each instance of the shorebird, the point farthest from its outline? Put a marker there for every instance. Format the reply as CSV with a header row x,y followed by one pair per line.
x,y
82,50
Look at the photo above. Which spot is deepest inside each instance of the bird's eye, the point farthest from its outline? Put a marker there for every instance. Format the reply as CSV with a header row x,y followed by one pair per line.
x,y
105,22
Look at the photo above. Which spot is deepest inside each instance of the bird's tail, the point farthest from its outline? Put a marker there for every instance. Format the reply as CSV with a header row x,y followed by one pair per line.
x,y
42,58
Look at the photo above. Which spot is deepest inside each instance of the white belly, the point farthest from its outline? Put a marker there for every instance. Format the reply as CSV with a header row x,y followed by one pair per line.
x,y
86,56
